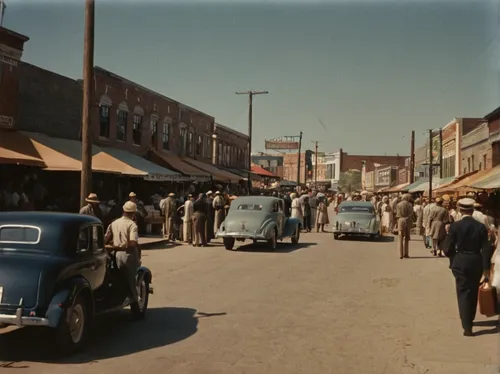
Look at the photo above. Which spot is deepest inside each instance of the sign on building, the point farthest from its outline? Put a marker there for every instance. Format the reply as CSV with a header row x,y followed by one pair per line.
x,y
286,143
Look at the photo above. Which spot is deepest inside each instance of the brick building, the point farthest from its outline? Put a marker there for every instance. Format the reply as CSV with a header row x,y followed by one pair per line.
x,y
290,167
476,150
11,50
230,148
493,120
273,163
348,162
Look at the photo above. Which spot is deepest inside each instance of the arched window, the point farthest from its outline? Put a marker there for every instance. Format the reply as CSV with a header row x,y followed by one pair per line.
x,y
183,138
105,104
121,123
153,127
167,123
137,125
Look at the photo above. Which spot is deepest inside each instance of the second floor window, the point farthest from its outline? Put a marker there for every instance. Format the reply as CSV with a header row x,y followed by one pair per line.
x,y
219,154
207,149
166,136
104,121
183,135
121,126
190,143
136,130
154,132
199,145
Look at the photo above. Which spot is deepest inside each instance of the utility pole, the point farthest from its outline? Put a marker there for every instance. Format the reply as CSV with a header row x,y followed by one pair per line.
x,y
412,158
3,6
88,79
440,153
250,95
430,165
315,163
298,161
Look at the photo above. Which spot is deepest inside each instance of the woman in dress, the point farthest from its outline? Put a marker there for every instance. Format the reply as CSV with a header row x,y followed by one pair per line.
x,y
322,215
438,218
386,215
297,208
419,213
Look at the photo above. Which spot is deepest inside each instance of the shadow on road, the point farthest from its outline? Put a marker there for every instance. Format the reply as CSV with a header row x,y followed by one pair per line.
x,y
114,335
492,331
260,247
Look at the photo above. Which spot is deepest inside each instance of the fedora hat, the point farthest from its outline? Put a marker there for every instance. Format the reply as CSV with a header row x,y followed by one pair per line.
x,y
92,198
132,194
129,207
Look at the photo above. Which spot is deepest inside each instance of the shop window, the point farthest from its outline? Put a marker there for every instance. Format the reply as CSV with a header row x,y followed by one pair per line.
x,y
103,121
199,146
154,131
166,136
121,126
137,129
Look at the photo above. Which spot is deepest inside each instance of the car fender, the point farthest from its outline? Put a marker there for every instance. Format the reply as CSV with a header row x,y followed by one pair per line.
x,y
144,270
64,297
290,225
267,227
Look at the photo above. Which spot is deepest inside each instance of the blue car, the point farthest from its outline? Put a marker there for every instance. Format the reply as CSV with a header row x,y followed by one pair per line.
x,y
55,272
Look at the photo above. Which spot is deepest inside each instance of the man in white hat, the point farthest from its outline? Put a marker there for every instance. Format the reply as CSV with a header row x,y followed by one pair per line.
x,y
169,209
218,205
122,236
92,208
470,252
404,215
140,216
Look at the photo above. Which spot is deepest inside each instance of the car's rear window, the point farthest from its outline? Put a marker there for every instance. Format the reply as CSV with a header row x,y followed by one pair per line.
x,y
19,234
356,209
249,207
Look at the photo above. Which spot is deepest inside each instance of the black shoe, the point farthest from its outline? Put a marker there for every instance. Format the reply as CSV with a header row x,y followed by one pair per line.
x,y
468,333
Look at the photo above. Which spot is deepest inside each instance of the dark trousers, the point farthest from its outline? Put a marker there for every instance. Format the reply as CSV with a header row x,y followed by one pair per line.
x,y
307,223
199,220
467,270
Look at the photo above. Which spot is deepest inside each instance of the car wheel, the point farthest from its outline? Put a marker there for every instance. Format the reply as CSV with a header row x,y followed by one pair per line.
x,y
73,329
142,297
272,242
254,241
229,243
336,236
296,235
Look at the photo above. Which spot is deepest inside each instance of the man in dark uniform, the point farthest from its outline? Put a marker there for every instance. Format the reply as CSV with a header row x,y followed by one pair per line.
x,y
470,253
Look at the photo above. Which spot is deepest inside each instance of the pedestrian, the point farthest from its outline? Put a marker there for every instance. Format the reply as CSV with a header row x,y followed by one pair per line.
x,y
199,220
140,216
169,207
124,236
419,217
219,204
438,218
187,226
306,210
470,253
425,222
209,227
386,215
404,214
92,208
313,202
297,208
322,214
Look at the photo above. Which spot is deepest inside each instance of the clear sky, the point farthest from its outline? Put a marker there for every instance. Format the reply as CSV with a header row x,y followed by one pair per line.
x,y
367,71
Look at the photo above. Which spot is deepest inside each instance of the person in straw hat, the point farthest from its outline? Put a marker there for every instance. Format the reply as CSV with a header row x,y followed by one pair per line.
x,y
92,208
438,218
219,207
122,236
169,208
470,253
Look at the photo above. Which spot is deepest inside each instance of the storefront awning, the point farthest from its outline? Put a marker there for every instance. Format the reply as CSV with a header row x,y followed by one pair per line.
x,y
256,169
490,181
16,148
451,183
398,188
154,172
177,164
217,174
66,155
466,183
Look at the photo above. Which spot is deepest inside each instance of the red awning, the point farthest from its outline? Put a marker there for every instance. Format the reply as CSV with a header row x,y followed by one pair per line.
x,y
256,169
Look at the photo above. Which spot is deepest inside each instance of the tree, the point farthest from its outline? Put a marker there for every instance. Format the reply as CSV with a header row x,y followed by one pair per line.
x,y
350,181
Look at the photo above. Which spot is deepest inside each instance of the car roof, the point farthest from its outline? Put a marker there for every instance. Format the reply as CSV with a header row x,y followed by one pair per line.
x,y
44,219
365,204
260,200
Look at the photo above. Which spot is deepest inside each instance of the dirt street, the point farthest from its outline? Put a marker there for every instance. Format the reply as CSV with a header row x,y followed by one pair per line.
x,y
321,307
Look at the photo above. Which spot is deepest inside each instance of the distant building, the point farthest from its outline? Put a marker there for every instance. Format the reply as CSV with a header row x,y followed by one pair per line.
x,y
272,163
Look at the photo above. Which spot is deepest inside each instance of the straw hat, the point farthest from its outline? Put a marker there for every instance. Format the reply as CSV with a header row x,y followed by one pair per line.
x,y
129,207
217,193
209,193
171,194
132,194
92,198
438,200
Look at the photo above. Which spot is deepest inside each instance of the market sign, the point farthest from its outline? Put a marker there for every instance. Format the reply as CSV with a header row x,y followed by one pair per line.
x,y
281,145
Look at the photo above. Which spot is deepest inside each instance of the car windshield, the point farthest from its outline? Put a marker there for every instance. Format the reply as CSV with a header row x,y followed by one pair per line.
x,y
356,209
249,207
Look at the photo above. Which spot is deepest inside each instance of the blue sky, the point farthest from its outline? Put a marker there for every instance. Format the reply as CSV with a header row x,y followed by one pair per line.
x,y
369,71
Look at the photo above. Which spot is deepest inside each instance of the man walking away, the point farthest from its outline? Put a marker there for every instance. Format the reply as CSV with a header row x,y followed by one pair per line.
x,y
218,205
470,253
404,215
169,208
187,227
199,220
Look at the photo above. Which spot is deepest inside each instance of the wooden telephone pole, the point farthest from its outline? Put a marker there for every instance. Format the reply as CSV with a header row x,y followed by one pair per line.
x,y
431,169
298,161
250,95
412,158
88,79
315,163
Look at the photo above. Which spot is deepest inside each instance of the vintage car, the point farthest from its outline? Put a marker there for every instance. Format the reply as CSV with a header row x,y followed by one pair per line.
x,y
356,218
56,272
258,218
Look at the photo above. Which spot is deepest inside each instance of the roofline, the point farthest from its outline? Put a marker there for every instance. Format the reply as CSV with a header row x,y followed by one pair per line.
x,y
181,105
495,114
77,81
24,38
228,129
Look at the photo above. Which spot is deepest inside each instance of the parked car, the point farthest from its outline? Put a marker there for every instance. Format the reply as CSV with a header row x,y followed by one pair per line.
x,y
55,272
258,218
356,218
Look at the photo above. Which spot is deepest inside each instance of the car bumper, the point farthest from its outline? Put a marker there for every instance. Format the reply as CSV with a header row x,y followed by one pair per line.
x,y
239,235
359,232
19,320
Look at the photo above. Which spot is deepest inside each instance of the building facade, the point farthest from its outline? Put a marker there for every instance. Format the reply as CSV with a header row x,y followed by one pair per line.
x,y
493,120
319,170
385,176
231,150
349,162
273,163
370,181
332,161
11,51
476,150
290,167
